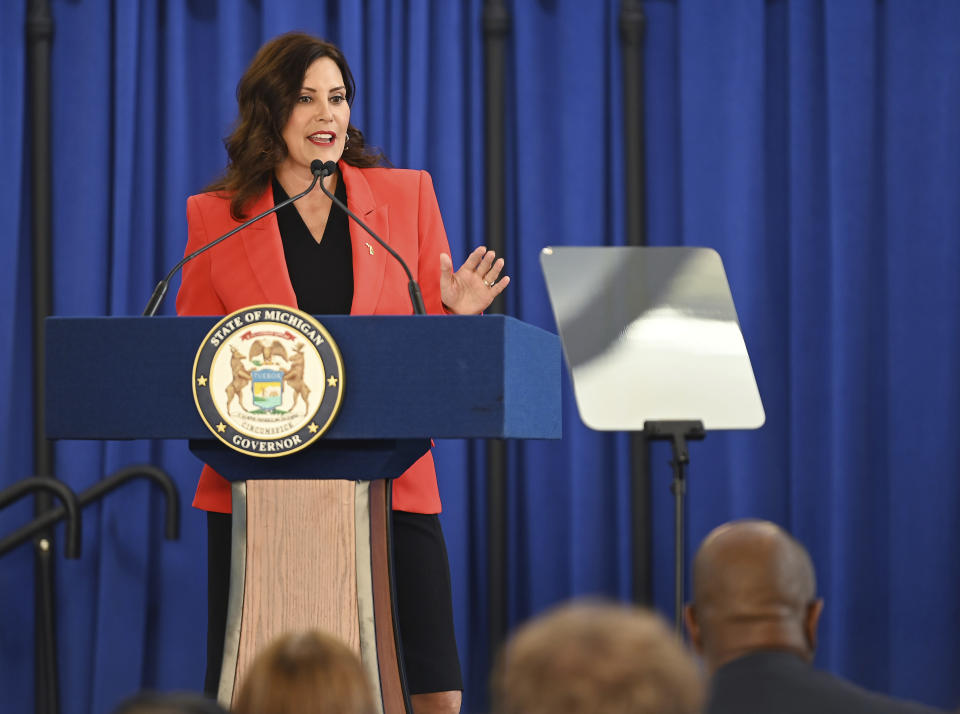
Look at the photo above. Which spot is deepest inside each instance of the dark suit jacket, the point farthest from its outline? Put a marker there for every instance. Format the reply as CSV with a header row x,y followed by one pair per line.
x,y
773,682
250,268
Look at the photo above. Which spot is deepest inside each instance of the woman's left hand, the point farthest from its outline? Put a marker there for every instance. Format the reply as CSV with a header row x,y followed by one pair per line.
x,y
471,289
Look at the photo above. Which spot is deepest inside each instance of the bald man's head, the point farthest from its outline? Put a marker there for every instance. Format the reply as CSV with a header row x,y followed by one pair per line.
x,y
753,588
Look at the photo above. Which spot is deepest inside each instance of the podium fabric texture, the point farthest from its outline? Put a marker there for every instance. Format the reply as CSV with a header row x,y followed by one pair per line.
x,y
430,366
814,144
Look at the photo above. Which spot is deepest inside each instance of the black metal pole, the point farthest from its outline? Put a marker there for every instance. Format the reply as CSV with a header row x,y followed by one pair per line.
x,y
496,26
39,30
679,489
677,433
46,684
633,25
632,34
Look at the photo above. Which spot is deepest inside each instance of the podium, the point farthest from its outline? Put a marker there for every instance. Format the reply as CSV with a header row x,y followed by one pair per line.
x,y
311,540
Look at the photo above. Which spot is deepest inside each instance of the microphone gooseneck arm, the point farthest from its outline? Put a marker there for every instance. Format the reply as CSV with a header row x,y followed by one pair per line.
x,y
161,290
322,169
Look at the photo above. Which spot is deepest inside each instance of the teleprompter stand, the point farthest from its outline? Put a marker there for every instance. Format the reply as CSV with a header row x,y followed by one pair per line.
x,y
653,344
677,433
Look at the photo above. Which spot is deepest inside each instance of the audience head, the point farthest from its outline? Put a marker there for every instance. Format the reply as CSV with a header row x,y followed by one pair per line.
x,y
596,657
305,673
753,589
174,703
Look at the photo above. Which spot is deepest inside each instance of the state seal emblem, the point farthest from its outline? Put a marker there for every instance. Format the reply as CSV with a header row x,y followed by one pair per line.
x,y
268,380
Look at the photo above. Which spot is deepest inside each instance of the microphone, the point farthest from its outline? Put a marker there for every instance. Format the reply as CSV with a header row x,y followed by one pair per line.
x,y
323,169
161,290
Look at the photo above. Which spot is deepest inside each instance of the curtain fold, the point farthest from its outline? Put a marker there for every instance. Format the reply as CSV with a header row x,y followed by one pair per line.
x,y
16,370
807,142
813,144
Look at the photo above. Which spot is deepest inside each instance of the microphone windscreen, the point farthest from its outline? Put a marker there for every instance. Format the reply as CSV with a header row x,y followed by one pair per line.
x,y
323,168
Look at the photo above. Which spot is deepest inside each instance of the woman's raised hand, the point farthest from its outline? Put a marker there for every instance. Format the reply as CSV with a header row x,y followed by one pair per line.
x,y
471,289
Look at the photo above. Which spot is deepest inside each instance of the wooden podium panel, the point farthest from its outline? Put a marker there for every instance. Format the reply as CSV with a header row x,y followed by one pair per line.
x,y
302,556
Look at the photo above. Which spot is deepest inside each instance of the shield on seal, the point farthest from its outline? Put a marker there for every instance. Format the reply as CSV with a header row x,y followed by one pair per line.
x,y
267,389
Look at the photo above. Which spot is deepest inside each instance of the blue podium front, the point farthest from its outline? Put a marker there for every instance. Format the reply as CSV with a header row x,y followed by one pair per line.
x,y
406,380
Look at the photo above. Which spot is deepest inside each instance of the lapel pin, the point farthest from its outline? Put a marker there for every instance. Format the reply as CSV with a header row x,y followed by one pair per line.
x,y
369,247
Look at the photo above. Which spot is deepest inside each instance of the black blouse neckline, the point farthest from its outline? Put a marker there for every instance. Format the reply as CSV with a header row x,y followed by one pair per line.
x,y
321,272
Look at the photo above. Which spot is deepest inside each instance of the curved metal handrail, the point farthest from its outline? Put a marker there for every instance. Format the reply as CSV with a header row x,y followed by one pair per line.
x,y
70,509
97,491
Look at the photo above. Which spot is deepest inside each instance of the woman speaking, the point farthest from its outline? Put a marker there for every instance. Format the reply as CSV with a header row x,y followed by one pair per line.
x,y
294,107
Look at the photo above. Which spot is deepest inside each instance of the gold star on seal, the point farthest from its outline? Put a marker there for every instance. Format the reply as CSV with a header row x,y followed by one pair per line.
x,y
332,381
202,381
313,428
221,427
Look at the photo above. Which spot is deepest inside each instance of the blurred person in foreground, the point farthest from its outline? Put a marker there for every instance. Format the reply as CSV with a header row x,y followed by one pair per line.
x,y
305,673
754,619
590,657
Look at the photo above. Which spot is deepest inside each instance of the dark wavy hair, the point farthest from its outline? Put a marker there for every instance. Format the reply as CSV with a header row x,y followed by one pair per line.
x,y
266,96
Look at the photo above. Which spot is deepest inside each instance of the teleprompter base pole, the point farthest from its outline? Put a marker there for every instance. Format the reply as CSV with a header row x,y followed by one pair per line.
x,y
678,433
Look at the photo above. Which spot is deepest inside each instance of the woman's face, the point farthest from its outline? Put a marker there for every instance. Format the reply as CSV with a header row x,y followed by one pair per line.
x,y
317,127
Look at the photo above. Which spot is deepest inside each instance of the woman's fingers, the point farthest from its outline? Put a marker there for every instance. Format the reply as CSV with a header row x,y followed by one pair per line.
x,y
498,287
476,284
493,273
475,258
446,267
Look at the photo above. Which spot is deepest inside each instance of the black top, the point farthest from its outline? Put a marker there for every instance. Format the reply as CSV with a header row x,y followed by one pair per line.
x,y
321,273
774,682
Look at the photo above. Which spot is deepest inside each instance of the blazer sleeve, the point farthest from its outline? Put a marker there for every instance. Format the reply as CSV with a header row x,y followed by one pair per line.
x,y
197,295
432,242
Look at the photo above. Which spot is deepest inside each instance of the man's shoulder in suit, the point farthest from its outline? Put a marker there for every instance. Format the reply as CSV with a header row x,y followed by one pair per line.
x,y
782,682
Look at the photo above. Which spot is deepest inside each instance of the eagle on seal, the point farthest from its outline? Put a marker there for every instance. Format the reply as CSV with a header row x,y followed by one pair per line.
x,y
268,352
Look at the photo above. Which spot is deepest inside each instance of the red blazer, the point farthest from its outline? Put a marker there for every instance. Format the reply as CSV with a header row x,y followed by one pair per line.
x,y
249,268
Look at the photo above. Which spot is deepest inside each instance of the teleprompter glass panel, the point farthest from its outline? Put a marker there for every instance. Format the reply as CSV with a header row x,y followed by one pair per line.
x,y
651,334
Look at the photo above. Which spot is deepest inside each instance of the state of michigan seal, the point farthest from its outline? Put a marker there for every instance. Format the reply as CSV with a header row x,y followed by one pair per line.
x,y
268,380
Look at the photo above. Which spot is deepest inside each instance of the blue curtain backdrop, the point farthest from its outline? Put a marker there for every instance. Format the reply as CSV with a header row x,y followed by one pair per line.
x,y
814,144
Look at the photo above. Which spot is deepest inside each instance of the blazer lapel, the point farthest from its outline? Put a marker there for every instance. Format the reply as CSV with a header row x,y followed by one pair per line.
x,y
264,249
369,257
